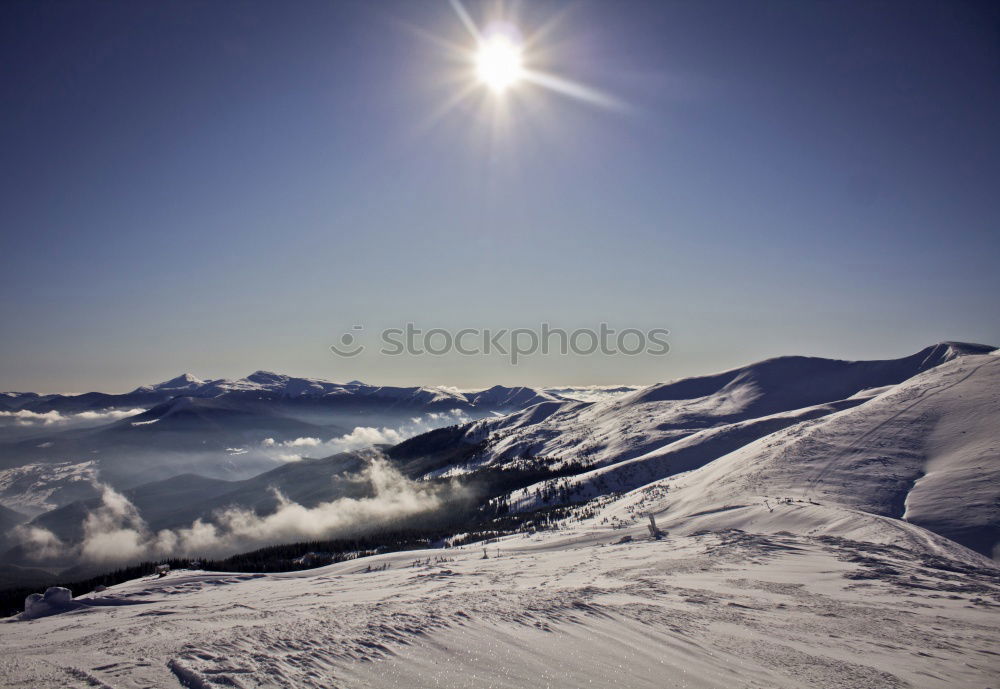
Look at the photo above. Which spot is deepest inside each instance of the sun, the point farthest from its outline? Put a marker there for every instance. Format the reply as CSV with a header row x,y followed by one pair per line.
x,y
499,63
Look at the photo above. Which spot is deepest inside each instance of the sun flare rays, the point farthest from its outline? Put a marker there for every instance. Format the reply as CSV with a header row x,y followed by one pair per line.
x,y
508,72
504,62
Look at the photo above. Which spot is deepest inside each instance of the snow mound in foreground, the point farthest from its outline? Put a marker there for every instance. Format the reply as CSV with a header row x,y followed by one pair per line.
x,y
56,599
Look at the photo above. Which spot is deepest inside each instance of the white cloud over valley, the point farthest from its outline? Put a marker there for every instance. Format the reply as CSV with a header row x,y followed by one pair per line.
x,y
115,532
24,417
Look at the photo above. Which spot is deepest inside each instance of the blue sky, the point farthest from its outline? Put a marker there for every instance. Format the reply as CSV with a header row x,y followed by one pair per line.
x,y
221,187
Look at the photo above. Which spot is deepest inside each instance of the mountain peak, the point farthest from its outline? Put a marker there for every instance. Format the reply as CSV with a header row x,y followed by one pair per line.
x,y
266,377
185,382
951,349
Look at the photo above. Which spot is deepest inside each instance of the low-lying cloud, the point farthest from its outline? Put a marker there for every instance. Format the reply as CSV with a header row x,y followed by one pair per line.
x,y
361,437
24,417
115,532
593,393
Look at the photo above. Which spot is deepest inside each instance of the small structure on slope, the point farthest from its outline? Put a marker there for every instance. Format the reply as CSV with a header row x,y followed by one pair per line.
x,y
654,530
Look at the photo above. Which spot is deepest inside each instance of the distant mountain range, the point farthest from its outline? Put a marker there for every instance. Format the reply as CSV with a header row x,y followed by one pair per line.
x,y
264,385
226,429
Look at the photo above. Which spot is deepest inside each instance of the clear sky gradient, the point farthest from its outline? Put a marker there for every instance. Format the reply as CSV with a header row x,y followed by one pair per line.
x,y
219,187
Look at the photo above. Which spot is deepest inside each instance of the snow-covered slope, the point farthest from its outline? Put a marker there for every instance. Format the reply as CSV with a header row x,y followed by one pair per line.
x,y
925,451
677,456
923,448
568,609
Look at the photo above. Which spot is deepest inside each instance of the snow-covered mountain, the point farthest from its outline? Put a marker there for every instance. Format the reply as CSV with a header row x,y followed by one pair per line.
x,y
648,419
579,451
924,452
182,384
11,401
500,397
797,500
274,386
909,438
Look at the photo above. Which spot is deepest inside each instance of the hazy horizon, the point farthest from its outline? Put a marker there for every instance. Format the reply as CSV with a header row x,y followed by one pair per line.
x,y
512,380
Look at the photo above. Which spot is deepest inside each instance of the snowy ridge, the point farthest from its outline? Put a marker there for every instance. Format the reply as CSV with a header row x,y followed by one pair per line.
x,y
266,382
925,452
634,424
269,385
